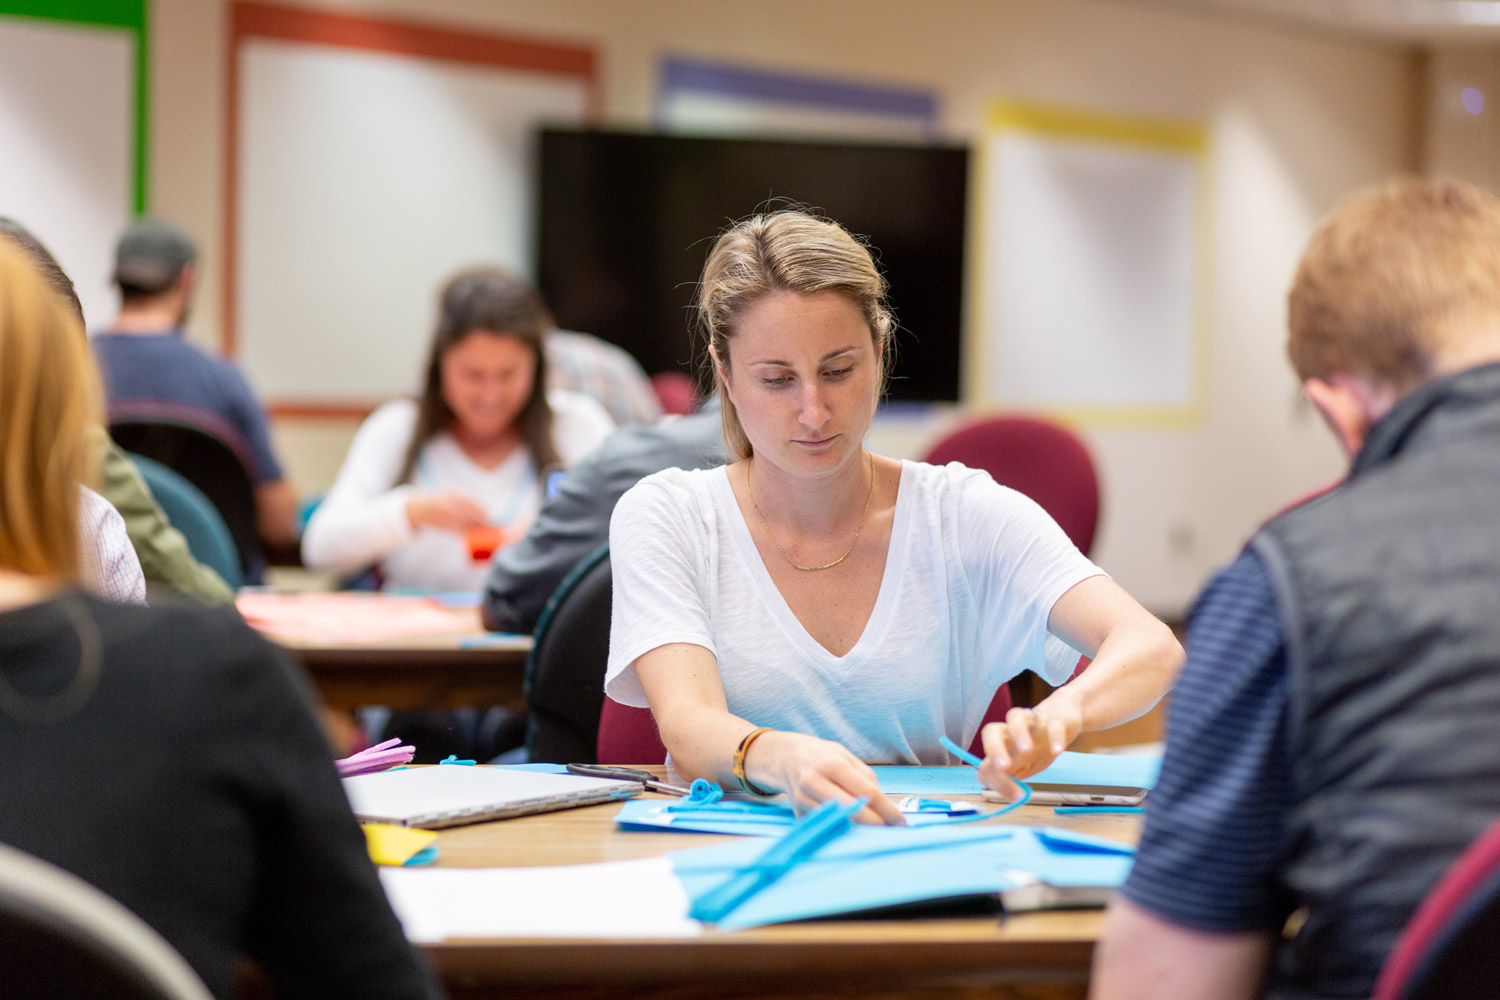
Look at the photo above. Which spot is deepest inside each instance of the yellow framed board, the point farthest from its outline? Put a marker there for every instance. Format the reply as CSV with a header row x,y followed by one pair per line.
x,y
1090,271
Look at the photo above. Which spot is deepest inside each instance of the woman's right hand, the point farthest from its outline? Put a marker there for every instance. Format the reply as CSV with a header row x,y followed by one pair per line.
x,y
448,510
811,771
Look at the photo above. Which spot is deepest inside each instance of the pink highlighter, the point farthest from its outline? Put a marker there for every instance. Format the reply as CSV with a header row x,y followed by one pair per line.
x,y
380,757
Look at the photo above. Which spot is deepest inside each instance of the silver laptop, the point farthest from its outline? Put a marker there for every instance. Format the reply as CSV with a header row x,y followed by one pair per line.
x,y
454,794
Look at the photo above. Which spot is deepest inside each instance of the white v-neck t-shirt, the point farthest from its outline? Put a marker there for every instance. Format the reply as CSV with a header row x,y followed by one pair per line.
x,y
970,578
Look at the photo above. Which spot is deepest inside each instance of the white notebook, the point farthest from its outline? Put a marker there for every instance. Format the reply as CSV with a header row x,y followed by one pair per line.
x,y
453,794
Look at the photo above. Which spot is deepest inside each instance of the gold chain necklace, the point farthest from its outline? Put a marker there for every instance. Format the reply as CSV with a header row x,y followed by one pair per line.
x,y
767,528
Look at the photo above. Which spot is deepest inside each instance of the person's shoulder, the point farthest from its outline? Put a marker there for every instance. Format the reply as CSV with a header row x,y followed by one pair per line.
x,y
951,485
578,343
704,431
397,416
671,509
568,405
92,507
149,348
200,668
1241,589
198,637
106,345
697,439
690,482
953,475
966,504
579,423
401,408
176,350
668,489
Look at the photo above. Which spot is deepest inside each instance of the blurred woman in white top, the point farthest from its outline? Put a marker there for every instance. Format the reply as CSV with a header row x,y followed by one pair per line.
x,y
835,607
472,452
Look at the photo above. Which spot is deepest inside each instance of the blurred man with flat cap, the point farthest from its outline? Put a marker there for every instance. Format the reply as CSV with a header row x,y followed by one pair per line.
x,y
146,359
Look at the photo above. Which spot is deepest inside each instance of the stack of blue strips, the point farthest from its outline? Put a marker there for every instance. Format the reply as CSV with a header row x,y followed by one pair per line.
x,y
860,868
700,813
758,818
706,810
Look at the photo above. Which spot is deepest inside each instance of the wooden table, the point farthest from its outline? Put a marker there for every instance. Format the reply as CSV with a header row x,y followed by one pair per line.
x,y
1040,956
444,660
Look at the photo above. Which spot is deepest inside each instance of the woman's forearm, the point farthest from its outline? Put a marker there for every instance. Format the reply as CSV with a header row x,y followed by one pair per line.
x,y
702,741
1134,666
681,681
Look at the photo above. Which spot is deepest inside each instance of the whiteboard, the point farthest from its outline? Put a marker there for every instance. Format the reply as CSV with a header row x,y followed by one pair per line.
x,y
366,180
1091,256
67,141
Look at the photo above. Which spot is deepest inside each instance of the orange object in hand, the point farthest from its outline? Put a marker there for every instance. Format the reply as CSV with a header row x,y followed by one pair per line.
x,y
483,541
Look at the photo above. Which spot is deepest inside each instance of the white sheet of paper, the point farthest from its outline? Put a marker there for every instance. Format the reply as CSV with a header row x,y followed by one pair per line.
x,y
617,899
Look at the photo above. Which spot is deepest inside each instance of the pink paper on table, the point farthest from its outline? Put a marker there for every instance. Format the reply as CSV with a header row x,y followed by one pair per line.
x,y
349,618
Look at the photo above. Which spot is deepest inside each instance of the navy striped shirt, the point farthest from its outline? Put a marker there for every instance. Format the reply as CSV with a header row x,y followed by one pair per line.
x,y
1215,829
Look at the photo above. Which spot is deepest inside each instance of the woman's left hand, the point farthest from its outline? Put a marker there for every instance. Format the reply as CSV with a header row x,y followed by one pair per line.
x,y
1027,741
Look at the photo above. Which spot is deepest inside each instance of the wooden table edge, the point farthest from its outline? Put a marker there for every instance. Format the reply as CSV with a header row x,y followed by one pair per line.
x,y
749,961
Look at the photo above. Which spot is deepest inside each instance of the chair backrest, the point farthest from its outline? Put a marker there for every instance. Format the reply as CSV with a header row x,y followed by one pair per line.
x,y
1043,460
190,512
64,938
565,671
999,705
1440,955
676,391
202,454
628,735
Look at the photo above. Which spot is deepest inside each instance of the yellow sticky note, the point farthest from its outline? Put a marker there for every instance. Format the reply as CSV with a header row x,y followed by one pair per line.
x,y
395,845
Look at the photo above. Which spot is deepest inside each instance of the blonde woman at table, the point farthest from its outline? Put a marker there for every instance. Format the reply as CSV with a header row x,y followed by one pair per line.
x,y
168,756
471,453
812,607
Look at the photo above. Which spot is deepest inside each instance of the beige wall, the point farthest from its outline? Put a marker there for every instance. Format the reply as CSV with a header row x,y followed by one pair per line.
x,y
1457,143
1295,124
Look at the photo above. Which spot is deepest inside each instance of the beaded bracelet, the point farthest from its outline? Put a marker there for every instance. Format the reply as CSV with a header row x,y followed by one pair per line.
x,y
739,761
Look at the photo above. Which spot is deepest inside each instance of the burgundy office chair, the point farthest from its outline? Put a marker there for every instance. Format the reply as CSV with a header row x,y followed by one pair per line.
x,y
1443,953
628,735
676,391
1043,460
206,451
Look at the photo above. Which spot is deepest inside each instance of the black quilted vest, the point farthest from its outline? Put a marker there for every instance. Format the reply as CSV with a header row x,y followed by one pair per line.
x,y
1389,591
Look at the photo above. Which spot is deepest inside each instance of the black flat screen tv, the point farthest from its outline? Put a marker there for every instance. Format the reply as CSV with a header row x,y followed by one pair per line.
x,y
627,219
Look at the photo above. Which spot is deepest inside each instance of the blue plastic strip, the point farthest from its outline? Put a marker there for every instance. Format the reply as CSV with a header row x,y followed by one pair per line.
x,y
1089,810
425,856
974,761
817,828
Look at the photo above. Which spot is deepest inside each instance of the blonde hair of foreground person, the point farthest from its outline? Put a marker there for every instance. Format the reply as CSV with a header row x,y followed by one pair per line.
x,y
49,395
1394,278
